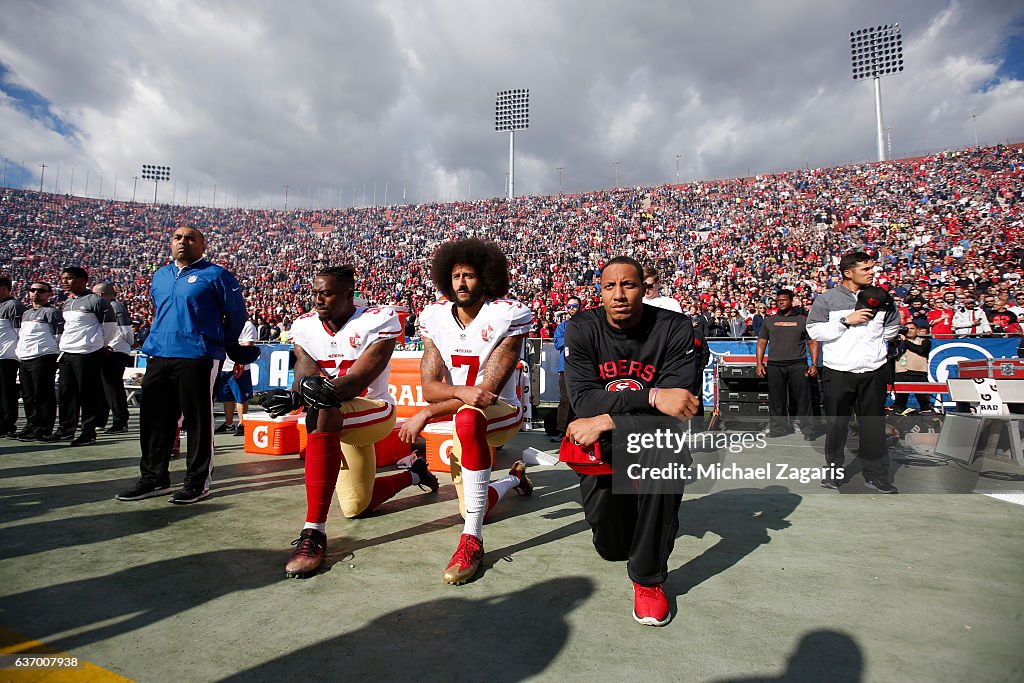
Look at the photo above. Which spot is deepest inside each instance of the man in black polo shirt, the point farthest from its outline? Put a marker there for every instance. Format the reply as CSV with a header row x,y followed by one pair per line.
x,y
787,370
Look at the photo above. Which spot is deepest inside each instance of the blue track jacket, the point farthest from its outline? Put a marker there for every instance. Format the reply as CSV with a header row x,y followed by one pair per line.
x,y
196,309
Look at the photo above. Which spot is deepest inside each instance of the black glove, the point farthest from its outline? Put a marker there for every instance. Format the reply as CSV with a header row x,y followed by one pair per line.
x,y
318,392
279,402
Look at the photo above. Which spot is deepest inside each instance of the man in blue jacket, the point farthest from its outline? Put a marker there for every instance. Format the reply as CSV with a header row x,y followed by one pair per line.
x,y
198,306
565,412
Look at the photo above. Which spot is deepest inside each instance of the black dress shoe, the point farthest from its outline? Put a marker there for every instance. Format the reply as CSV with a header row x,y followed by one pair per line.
x,y
58,436
84,439
116,429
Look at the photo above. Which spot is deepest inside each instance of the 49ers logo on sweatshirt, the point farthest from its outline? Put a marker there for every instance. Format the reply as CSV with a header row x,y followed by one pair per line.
x,y
614,369
624,385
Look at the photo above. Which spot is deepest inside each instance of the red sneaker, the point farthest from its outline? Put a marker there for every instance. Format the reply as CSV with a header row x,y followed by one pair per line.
x,y
650,606
466,560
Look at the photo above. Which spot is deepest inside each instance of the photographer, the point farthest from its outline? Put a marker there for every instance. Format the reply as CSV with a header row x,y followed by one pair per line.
x,y
912,365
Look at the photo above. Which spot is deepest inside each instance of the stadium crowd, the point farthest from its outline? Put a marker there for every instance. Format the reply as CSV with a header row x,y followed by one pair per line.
x,y
946,230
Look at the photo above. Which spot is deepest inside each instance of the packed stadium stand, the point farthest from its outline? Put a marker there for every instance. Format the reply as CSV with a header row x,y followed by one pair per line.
x,y
950,221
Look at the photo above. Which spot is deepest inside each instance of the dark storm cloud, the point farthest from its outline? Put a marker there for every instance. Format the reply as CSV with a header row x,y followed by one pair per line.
x,y
329,97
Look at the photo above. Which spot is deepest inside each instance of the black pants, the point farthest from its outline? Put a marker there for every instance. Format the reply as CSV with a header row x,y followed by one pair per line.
x,y
173,388
565,412
113,389
697,421
788,390
80,388
37,391
640,529
8,394
924,401
863,392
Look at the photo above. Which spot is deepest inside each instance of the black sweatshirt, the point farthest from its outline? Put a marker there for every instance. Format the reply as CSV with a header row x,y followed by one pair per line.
x,y
608,370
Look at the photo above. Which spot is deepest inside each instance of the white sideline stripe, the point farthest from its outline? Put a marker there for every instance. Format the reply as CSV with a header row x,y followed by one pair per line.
x,y
1015,497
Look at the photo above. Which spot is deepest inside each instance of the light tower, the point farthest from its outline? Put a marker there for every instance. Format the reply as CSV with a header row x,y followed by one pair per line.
x,y
156,174
512,113
875,52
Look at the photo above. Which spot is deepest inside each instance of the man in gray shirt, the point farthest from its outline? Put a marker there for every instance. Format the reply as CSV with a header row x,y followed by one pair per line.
x,y
11,311
854,322
89,327
37,350
114,363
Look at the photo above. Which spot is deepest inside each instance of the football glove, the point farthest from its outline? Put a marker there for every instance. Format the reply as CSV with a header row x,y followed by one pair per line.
x,y
318,392
278,402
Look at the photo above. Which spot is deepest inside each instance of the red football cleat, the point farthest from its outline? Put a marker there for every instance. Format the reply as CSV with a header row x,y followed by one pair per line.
x,y
466,560
310,548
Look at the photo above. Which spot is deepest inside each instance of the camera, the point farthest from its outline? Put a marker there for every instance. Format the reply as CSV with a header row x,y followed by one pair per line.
x,y
903,329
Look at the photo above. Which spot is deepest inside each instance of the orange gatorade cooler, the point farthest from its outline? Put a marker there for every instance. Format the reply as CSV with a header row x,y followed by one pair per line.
x,y
303,435
404,383
390,449
271,436
440,441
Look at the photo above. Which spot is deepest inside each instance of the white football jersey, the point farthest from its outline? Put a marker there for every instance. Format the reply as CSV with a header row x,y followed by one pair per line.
x,y
465,351
336,352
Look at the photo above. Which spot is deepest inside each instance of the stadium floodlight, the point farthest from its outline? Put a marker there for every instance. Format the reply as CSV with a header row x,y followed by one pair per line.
x,y
877,51
512,113
157,174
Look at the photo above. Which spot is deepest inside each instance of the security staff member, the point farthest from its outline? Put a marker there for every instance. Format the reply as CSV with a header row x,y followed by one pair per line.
x,y
198,306
89,327
114,364
38,346
11,311
854,323
787,370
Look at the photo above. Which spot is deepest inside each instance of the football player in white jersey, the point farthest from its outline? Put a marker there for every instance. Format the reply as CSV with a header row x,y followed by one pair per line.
x,y
343,353
471,347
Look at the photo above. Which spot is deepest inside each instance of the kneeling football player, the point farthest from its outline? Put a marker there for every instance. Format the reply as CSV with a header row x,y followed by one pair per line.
x,y
343,354
472,342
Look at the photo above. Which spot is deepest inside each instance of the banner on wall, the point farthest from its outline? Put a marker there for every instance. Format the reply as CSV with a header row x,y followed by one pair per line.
x,y
271,371
942,361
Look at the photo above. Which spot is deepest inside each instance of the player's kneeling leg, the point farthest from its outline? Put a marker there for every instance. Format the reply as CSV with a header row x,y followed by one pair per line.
x,y
323,462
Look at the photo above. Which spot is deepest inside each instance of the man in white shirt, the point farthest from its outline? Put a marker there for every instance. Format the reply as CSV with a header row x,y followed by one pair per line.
x,y
114,362
854,322
11,311
652,295
38,346
89,327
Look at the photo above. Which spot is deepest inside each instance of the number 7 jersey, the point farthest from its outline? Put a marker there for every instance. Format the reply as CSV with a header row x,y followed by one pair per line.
x,y
465,351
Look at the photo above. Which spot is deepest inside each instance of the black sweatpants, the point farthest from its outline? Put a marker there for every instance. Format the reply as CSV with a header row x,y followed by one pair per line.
x,y
37,391
116,401
80,388
788,387
173,388
8,394
863,392
640,529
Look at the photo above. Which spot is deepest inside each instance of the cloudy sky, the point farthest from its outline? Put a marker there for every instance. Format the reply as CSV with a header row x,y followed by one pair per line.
x,y
332,98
